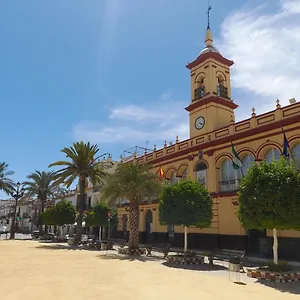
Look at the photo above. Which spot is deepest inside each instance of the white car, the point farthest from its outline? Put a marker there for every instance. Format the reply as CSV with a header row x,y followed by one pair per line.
x,y
3,229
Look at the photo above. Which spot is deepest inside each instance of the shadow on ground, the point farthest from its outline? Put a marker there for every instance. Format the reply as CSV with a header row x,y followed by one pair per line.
x,y
288,287
111,255
52,246
202,267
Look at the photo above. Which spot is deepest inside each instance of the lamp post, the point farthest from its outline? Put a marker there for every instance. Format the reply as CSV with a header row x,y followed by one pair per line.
x,y
17,194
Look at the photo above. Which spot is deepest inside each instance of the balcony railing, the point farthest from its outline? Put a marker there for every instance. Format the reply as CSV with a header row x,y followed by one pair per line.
x,y
199,93
222,91
230,185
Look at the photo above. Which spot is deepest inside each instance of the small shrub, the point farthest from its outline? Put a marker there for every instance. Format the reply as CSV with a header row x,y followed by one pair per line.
x,y
282,266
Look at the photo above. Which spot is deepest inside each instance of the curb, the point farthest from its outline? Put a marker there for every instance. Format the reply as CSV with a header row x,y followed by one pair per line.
x,y
273,276
126,251
185,260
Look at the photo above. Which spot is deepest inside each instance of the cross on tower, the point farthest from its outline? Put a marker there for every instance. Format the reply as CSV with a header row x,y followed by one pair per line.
x,y
208,10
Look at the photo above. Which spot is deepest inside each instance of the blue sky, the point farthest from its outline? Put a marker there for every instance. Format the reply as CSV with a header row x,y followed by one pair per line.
x,y
113,71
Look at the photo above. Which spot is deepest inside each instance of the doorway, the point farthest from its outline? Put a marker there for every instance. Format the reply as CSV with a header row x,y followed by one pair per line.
x,y
258,242
149,222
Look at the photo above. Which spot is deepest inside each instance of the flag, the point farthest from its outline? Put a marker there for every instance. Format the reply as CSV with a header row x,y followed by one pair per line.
x,y
236,162
285,150
161,172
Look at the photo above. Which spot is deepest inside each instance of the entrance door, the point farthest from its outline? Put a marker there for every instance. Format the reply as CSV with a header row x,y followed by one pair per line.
x,y
257,242
149,222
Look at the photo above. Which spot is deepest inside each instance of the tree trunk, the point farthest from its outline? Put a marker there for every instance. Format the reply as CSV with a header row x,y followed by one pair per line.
x,y
185,239
100,230
134,214
81,205
275,246
13,222
42,210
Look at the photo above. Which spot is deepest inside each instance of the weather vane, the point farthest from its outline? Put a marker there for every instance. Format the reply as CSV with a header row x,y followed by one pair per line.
x,y
208,10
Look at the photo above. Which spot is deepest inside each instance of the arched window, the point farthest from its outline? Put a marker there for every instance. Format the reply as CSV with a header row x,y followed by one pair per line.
x,y
184,174
222,90
272,154
295,155
229,176
200,87
201,170
173,178
247,161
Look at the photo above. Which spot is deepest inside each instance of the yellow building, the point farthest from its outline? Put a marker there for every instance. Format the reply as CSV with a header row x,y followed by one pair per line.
x,y
207,157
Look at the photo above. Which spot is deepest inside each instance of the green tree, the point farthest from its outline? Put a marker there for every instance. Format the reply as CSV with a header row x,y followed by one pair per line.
x,y
83,164
269,198
60,214
187,203
97,217
6,184
48,216
42,186
135,183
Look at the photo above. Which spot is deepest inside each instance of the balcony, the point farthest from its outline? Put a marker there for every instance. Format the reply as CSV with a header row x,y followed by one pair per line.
x,y
230,185
199,93
222,91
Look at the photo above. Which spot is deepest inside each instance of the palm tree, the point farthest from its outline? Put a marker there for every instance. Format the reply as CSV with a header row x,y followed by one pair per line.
x,y
135,183
84,165
42,186
6,184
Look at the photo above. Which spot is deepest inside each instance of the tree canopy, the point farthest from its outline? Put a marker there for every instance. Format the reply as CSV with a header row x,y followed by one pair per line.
x,y
83,163
269,196
187,203
133,182
60,214
42,186
97,216
6,184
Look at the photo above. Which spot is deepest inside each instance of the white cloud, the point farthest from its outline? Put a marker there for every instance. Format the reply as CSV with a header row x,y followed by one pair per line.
x,y
266,51
150,114
134,124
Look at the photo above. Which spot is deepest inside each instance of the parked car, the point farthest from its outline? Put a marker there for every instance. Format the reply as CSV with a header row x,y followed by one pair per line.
x,y
3,229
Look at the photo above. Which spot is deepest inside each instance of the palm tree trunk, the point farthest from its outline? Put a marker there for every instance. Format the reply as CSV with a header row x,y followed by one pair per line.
x,y
13,222
81,203
134,214
42,210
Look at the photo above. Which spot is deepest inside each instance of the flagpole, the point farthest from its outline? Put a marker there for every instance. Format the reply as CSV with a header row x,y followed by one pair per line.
x,y
288,146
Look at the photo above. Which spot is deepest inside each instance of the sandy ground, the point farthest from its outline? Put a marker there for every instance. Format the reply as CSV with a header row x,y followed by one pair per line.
x,y
32,270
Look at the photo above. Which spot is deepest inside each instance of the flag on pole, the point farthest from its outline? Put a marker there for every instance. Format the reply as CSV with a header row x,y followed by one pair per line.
x,y
285,150
236,162
161,172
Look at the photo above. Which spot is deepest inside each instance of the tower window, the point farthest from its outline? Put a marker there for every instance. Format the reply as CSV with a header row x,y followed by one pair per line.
x,y
222,91
199,93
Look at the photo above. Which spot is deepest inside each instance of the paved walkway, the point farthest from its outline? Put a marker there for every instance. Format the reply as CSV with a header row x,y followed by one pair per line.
x,y
33,270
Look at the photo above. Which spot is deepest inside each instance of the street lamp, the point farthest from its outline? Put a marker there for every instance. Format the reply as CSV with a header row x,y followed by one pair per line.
x,y
17,194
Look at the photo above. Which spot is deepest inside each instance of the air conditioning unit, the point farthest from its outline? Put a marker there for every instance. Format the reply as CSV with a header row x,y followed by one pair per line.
x,y
292,100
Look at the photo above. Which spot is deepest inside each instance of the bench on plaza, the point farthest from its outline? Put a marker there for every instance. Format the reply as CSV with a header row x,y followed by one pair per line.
x,y
226,255
161,247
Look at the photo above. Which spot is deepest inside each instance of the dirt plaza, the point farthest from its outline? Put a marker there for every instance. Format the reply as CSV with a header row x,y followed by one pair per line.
x,y
34,270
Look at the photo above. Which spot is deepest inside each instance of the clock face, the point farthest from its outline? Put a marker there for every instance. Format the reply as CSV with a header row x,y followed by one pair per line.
x,y
199,123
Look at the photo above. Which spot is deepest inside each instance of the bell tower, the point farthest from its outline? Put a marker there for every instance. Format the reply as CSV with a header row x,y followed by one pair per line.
x,y
211,106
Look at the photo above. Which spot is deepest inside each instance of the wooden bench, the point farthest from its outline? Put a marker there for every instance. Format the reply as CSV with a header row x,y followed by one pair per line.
x,y
226,255
162,248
